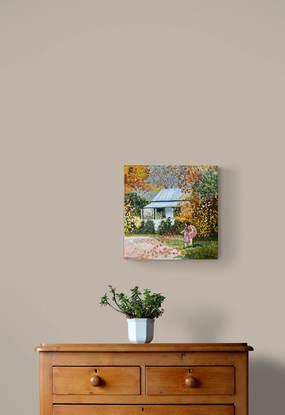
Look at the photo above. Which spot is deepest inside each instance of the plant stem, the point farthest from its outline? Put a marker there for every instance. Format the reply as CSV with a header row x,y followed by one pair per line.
x,y
114,308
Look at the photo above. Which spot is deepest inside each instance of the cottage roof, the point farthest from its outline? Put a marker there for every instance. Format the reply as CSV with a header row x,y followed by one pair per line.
x,y
166,198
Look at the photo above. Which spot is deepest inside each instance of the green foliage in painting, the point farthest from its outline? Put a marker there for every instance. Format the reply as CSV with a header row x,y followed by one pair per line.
x,y
161,227
205,218
164,227
129,218
140,228
136,201
177,227
202,250
149,227
168,224
139,304
207,185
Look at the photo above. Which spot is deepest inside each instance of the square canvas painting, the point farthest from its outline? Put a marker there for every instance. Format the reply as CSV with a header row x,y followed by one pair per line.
x,y
170,212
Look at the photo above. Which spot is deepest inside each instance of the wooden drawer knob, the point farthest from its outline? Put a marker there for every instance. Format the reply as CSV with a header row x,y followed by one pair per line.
x,y
191,382
95,380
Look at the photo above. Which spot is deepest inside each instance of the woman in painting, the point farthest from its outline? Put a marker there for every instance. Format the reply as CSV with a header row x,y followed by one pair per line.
x,y
192,233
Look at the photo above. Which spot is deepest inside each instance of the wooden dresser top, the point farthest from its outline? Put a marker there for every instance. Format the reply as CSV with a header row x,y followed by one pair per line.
x,y
153,347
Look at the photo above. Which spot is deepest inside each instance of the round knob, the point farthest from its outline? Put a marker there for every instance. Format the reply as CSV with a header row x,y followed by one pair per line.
x,y
191,381
95,380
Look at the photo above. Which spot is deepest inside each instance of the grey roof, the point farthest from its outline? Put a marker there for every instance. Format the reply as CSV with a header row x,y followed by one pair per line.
x,y
166,198
165,195
161,204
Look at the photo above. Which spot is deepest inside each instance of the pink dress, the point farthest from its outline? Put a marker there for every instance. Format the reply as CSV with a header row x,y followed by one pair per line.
x,y
186,236
193,232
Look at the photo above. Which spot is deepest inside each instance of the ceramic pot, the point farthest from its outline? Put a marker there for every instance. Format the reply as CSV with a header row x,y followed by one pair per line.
x,y
140,330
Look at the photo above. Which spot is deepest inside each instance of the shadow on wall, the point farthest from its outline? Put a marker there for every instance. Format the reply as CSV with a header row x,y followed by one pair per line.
x,y
266,376
229,231
266,387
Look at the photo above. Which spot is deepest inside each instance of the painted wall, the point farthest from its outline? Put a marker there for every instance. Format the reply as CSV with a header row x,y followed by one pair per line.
x,y
87,86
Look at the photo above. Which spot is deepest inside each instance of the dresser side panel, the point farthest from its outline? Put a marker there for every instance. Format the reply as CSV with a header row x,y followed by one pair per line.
x,y
46,395
241,367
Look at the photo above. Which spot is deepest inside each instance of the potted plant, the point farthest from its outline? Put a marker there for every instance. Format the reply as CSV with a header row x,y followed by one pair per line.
x,y
140,308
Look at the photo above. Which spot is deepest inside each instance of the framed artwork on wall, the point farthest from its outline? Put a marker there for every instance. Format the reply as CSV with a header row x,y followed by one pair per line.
x,y
170,212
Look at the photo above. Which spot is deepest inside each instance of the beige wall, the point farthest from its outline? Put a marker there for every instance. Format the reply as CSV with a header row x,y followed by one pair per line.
x,y
87,86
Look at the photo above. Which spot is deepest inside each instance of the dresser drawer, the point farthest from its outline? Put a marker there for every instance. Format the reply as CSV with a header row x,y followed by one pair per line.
x,y
97,410
143,410
191,380
111,380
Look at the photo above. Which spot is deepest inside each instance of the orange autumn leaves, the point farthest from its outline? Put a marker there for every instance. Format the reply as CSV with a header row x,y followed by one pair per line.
x,y
201,211
192,176
159,251
135,178
190,182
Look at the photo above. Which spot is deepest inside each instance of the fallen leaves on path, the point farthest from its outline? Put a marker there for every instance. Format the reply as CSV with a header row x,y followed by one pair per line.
x,y
148,248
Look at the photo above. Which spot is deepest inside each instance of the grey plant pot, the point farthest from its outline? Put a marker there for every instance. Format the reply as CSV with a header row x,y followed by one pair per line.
x,y
140,330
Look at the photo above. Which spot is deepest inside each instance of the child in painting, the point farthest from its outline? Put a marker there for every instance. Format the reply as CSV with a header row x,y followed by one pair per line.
x,y
185,232
189,233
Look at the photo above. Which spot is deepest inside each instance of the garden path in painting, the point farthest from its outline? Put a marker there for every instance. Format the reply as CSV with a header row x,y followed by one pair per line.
x,y
140,247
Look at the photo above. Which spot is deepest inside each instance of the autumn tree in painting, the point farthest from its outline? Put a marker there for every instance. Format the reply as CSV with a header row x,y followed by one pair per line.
x,y
200,185
167,176
129,218
135,178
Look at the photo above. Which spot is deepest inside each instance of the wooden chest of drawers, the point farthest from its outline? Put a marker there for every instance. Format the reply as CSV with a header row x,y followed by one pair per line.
x,y
153,379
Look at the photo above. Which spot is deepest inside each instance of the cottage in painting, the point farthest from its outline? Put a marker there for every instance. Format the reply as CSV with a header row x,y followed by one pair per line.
x,y
165,204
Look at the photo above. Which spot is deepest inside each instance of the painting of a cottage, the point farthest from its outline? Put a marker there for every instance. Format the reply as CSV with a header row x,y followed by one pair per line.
x,y
170,212
165,204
